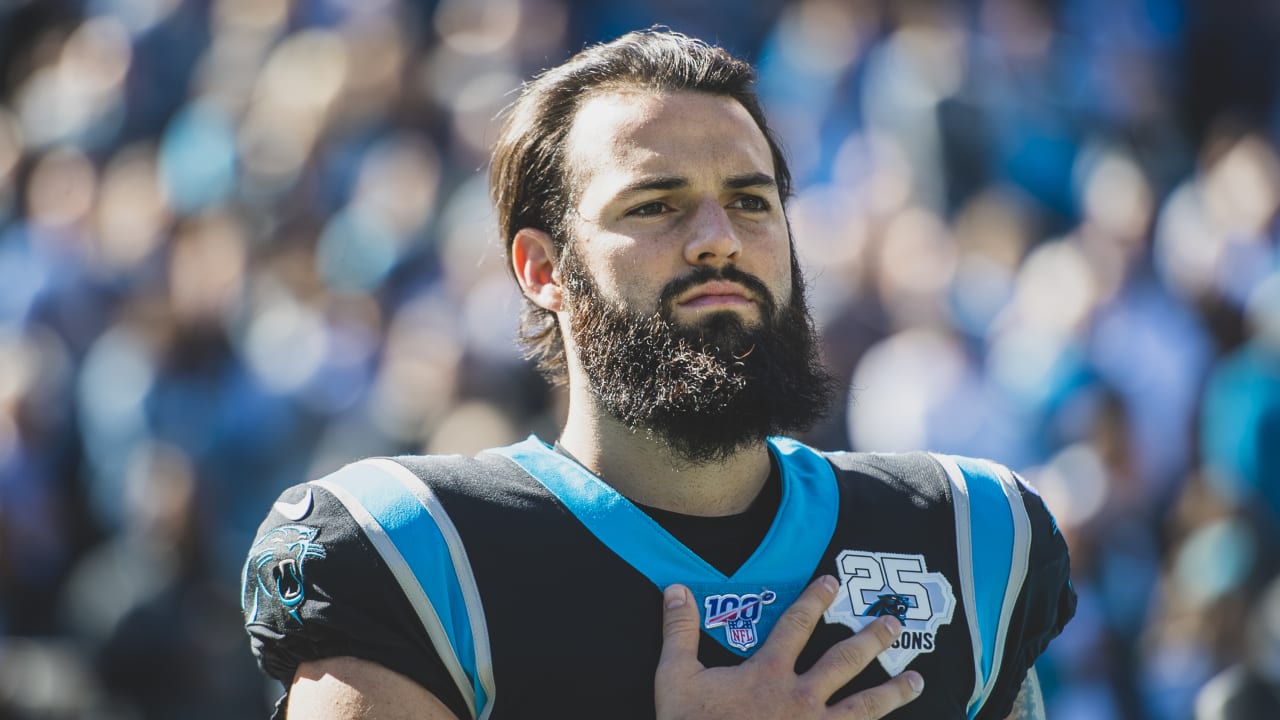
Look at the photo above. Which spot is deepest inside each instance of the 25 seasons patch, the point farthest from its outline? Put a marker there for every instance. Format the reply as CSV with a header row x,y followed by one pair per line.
x,y
873,584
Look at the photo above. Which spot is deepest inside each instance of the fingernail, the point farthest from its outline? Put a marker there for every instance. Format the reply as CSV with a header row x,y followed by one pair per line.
x,y
916,681
674,597
829,583
894,625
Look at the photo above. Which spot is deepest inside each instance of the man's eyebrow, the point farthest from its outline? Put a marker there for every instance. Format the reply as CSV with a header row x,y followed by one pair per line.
x,y
661,182
738,182
674,182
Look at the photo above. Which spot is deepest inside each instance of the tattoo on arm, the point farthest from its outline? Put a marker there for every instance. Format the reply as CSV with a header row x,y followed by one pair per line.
x,y
1030,702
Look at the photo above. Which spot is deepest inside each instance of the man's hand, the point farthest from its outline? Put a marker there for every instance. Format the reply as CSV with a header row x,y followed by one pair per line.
x,y
766,684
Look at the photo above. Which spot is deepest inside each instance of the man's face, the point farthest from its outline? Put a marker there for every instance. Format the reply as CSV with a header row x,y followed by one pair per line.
x,y
682,298
667,183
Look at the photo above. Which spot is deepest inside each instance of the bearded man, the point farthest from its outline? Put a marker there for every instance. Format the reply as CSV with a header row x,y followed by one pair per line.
x,y
673,554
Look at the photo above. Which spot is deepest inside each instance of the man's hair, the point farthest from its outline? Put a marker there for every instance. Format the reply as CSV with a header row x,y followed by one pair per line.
x,y
529,176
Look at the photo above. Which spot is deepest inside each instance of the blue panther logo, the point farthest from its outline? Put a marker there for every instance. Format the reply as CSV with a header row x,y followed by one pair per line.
x,y
892,604
275,569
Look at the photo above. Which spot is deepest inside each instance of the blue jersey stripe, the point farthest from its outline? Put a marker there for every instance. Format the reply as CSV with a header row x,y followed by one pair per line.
x,y
612,518
964,560
1019,558
482,679
407,536
991,528
806,517
993,536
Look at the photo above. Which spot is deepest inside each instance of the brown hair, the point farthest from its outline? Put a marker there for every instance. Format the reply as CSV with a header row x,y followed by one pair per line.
x,y
528,177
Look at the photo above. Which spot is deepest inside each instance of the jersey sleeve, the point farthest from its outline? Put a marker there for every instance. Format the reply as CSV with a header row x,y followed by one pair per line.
x,y
1045,604
314,587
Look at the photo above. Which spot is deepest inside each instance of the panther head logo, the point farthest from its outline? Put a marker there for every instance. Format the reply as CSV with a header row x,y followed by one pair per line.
x,y
275,569
892,604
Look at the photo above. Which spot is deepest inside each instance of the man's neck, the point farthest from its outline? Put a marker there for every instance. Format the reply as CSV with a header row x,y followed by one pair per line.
x,y
646,471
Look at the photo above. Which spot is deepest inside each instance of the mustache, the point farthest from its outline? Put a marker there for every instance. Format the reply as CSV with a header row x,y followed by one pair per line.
x,y
728,273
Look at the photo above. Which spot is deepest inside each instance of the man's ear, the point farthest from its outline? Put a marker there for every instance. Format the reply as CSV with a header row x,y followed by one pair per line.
x,y
533,256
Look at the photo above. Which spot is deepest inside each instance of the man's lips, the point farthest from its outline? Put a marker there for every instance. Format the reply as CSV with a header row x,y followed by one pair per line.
x,y
716,292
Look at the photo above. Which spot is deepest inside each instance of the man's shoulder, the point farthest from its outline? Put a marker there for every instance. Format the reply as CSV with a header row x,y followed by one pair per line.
x,y
915,474
488,473
325,576
914,464
334,515
486,478
935,479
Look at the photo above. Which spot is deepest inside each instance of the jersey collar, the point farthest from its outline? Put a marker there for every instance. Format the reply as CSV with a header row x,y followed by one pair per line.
x,y
783,563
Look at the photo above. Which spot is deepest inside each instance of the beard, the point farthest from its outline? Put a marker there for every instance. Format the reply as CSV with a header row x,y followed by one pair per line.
x,y
708,389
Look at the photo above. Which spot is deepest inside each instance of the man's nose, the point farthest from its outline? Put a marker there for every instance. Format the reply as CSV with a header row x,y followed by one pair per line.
x,y
713,239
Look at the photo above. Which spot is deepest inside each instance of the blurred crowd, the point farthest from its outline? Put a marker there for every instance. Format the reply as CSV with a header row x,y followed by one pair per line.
x,y
243,242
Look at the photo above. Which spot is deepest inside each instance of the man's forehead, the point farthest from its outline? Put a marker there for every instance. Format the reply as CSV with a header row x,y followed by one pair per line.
x,y
632,132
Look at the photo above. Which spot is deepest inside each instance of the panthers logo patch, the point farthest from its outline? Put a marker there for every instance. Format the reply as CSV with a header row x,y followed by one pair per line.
x,y
874,584
275,571
892,604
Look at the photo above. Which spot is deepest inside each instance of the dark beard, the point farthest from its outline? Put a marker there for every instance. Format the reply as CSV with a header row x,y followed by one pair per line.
x,y
708,390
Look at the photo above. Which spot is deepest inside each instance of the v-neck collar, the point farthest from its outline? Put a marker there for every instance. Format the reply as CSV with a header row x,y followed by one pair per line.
x,y
779,569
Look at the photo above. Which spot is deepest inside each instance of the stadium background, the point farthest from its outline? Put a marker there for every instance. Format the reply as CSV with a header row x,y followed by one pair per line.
x,y
245,241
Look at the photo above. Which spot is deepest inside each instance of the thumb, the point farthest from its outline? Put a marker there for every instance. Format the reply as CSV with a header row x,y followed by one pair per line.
x,y
680,630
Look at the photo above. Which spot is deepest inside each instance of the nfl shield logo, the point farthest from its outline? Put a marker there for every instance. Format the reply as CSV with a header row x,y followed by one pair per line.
x,y
741,633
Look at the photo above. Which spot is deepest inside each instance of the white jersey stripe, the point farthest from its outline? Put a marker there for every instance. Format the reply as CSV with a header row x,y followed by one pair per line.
x,y
964,557
1009,543
462,566
408,526
1019,560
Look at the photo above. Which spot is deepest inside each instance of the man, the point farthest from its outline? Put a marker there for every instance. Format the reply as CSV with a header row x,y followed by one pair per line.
x,y
670,556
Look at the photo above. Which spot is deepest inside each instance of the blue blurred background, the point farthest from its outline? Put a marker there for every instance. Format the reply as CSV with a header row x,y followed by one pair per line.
x,y
245,241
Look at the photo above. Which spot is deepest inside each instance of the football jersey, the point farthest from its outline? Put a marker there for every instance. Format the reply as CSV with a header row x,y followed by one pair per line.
x,y
518,584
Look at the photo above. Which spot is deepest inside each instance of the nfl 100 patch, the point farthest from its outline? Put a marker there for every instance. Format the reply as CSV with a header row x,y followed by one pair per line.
x,y
738,615
873,584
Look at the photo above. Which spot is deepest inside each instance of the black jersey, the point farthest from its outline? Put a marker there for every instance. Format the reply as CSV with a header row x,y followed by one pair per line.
x,y
519,585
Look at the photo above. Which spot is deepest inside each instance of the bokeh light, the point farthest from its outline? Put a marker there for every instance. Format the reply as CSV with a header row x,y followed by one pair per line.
x,y
244,242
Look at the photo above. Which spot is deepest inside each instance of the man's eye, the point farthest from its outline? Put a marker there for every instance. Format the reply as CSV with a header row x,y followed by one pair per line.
x,y
647,210
751,202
